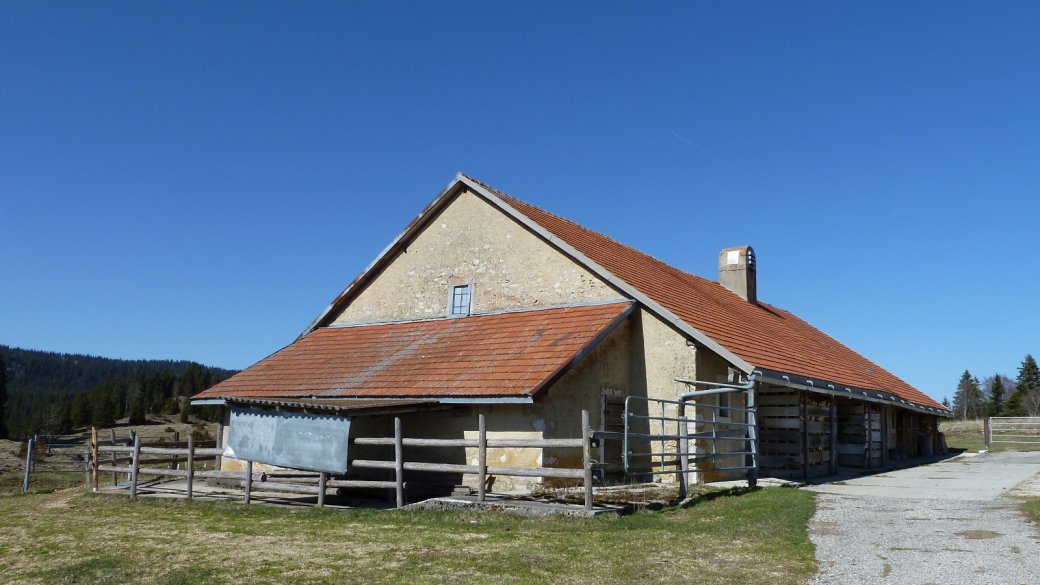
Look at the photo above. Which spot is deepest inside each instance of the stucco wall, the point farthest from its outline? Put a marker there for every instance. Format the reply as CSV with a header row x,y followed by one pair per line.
x,y
471,242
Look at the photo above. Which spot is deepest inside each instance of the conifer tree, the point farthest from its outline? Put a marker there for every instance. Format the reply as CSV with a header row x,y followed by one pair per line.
x,y
3,397
968,402
1026,385
1028,375
996,396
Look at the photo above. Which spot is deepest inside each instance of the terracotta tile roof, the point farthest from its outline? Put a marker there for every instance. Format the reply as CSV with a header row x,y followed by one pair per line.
x,y
762,335
504,354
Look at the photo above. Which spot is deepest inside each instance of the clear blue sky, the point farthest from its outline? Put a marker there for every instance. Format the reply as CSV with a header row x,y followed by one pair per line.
x,y
197,181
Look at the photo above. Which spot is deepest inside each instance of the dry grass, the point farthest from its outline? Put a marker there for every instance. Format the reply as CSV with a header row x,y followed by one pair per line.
x,y
968,436
76,537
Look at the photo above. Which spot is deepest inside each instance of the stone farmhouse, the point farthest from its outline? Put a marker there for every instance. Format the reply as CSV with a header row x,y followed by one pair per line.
x,y
485,305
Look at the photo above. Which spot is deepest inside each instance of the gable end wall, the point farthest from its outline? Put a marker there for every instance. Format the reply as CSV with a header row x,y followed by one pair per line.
x,y
471,242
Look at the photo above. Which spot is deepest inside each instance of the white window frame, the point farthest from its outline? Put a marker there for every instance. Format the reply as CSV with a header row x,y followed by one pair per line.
x,y
468,309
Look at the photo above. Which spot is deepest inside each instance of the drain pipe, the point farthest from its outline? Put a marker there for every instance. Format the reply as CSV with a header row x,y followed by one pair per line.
x,y
752,422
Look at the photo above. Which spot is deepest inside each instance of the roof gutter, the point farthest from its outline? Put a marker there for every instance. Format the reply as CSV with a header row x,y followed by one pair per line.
x,y
841,390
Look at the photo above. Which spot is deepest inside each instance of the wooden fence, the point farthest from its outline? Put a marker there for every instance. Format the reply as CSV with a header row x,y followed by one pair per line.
x,y
301,481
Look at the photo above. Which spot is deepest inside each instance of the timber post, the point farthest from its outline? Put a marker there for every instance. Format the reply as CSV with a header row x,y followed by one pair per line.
x,y
94,458
28,464
135,467
586,454
173,458
249,481
220,439
115,475
752,420
884,436
986,432
834,435
481,457
191,465
323,479
684,449
399,462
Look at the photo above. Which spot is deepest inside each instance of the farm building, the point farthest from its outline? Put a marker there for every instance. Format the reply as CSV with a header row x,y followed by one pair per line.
x,y
489,309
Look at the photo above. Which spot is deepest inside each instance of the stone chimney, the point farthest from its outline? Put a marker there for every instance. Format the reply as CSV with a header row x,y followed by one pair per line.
x,y
737,272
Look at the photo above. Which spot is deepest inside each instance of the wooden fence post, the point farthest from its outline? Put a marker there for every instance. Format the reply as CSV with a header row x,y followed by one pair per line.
x,y
249,480
986,431
684,449
586,452
191,464
220,439
481,458
322,480
94,458
173,458
28,465
115,475
136,465
399,461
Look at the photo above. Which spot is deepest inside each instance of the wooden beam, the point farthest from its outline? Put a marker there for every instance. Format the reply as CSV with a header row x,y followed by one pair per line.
x,y
135,467
804,419
481,457
191,465
834,435
586,453
322,479
398,462
249,480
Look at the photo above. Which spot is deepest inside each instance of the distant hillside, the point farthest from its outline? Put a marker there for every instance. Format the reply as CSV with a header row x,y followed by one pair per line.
x,y
51,392
50,373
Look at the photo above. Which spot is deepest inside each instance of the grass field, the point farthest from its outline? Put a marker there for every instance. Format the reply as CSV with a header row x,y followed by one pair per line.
x,y
72,536
967,435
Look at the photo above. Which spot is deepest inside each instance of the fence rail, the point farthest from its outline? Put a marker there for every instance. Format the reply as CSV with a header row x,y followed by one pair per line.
x,y
310,482
77,454
1015,430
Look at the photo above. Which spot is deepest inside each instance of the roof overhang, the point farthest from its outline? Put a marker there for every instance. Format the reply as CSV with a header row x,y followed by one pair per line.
x,y
843,391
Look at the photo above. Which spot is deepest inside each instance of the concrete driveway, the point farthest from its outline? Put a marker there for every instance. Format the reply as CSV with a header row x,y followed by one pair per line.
x,y
948,522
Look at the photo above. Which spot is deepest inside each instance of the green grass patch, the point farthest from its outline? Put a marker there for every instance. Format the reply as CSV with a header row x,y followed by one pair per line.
x,y
1032,508
739,536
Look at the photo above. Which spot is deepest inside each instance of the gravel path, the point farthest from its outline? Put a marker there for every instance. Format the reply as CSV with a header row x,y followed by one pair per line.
x,y
862,539
944,524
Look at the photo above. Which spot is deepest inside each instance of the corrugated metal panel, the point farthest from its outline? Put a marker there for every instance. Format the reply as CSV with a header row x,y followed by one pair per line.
x,y
316,442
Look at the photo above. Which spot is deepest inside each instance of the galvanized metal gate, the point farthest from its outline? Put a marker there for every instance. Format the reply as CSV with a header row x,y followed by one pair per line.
x,y
1014,430
658,438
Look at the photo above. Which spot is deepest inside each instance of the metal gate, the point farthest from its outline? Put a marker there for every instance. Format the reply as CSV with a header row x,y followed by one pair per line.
x,y
1014,430
658,439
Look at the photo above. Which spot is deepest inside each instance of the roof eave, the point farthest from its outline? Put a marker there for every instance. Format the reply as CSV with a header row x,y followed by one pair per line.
x,y
844,391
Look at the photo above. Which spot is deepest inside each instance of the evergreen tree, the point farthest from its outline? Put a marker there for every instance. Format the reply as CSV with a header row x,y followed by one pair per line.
x,y
1028,375
137,412
946,403
3,397
996,396
103,413
968,402
1027,383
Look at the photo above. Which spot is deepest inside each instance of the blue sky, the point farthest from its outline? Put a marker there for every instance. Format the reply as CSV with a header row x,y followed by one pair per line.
x,y
198,180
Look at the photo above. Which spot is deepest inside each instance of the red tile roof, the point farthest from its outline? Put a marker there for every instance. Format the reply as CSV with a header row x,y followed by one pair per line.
x,y
762,335
504,354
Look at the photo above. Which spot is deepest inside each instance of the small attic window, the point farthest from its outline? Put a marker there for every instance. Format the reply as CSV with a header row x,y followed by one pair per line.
x,y
460,300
